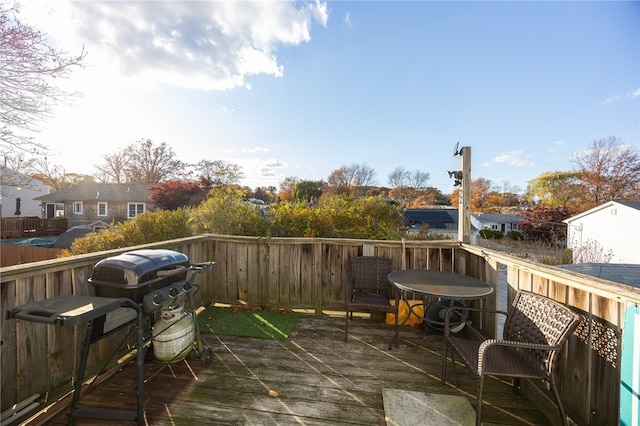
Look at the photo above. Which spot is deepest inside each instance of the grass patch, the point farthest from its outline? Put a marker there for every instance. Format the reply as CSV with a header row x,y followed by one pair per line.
x,y
245,321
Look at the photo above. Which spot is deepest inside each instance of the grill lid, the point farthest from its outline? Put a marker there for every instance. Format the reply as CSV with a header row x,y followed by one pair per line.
x,y
139,267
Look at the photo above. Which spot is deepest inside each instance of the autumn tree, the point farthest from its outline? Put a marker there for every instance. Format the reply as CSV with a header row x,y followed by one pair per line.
x,y
267,194
480,189
430,196
545,223
307,190
352,179
219,172
28,68
286,188
609,170
555,189
407,185
174,194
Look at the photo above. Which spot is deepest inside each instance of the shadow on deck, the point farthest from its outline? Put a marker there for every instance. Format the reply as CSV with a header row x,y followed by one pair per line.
x,y
313,378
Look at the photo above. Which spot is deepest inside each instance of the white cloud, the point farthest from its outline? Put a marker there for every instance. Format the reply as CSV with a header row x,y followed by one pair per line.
x,y
513,158
209,45
347,20
630,95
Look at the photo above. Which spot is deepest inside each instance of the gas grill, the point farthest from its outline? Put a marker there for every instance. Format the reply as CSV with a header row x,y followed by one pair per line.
x,y
130,289
156,279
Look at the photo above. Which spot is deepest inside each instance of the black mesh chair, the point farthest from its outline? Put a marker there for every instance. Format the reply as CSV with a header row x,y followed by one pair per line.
x,y
534,331
366,289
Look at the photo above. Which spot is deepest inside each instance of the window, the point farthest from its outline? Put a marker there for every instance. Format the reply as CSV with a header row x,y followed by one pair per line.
x,y
77,207
134,209
102,209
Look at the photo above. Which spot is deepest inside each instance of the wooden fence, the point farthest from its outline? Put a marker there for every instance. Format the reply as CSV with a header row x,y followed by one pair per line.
x,y
11,254
299,272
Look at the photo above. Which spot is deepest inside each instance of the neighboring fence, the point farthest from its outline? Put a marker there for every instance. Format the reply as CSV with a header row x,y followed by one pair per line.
x,y
27,227
300,272
11,254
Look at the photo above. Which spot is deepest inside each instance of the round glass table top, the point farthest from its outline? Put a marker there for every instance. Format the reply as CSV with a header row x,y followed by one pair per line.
x,y
440,284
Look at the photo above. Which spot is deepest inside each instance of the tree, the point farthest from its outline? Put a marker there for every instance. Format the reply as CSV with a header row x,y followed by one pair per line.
x,y
307,190
114,168
430,196
480,189
417,181
174,194
28,65
608,170
149,163
545,223
398,177
286,188
265,193
555,189
407,185
352,179
220,172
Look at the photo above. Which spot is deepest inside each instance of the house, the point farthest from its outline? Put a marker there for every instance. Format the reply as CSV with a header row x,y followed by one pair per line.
x,y
443,221
496,222
608,233
18,193
90,203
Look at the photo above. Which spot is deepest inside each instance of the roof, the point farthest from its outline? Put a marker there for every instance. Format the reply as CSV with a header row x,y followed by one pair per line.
x,y
100,192
631,204
435,218
498,218
623,273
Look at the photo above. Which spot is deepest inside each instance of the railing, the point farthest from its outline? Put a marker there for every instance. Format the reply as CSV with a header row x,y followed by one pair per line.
x,y
26,227
299,272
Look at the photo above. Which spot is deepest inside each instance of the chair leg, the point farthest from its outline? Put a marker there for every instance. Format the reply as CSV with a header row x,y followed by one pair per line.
x,y
563,416
346,327
443,371
453,367
479,401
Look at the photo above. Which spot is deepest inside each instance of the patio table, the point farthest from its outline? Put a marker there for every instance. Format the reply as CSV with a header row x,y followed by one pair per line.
x,y
440,284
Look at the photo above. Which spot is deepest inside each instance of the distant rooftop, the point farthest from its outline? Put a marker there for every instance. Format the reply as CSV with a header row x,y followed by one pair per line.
x,y
623,273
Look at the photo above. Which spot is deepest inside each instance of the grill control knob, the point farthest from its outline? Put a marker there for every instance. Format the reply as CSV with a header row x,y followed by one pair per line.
x,y
173,292
157,299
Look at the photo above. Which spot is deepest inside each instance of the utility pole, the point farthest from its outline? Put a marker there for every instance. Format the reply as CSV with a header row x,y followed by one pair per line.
x,y
464,212
463,180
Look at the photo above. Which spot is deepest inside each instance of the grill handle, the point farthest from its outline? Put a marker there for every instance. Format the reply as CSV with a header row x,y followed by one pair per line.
x,y
37,315
171,272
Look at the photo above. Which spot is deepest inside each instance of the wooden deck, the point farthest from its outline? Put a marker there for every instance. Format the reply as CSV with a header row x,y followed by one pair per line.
x,y
313,378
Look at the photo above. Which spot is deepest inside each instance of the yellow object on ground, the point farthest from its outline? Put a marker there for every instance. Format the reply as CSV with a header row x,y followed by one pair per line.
x,y
403,311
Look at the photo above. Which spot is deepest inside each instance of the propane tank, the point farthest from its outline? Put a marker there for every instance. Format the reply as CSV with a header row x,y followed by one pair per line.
x,y
172,334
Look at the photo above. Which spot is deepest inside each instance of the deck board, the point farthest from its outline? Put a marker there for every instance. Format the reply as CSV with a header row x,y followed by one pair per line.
x,y
319,380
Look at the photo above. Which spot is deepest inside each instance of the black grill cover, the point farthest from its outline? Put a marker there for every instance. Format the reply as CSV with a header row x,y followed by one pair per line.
x,y
136,273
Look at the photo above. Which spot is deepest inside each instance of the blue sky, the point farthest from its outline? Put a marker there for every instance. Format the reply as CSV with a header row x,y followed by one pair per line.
x,y
301,88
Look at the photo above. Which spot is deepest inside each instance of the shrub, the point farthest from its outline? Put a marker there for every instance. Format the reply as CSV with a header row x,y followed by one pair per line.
x,y
146,228
515,235
490,234
225,212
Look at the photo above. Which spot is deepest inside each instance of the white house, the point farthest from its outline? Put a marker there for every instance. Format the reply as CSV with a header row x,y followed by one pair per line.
x,y
14,186
607,233
497,222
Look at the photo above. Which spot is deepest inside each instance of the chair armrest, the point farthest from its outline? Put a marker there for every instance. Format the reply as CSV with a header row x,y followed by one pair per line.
x,y
447,315
487,345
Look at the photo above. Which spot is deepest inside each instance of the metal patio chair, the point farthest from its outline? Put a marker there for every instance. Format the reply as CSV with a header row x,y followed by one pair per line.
x,y
366,289
535,330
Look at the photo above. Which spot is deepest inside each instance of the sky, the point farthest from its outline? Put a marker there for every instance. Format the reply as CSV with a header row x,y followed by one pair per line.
x,y
299,89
